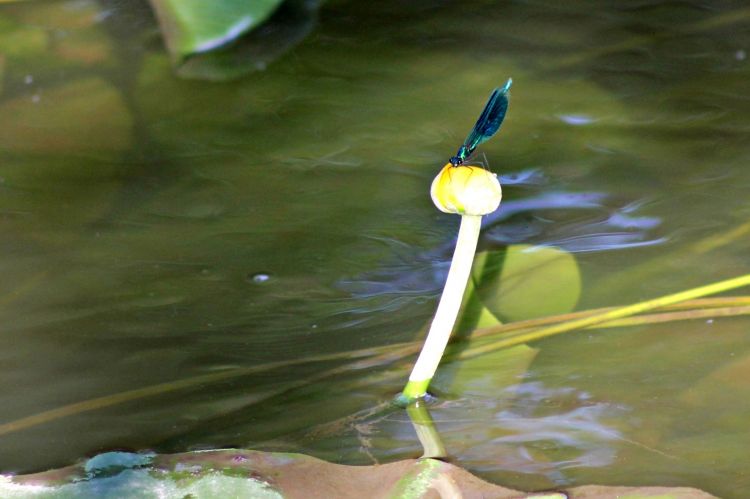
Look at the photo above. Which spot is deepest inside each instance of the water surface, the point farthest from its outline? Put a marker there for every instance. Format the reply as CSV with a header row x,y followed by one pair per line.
x,y
158,229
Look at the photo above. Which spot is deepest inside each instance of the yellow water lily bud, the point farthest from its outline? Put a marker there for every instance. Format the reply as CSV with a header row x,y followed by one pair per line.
x,y
466,190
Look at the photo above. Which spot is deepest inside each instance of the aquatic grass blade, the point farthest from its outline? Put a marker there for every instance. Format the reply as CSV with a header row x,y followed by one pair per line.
x,y
487,125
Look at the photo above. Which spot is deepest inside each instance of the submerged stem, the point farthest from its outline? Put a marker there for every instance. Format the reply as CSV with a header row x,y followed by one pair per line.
x,y
447,311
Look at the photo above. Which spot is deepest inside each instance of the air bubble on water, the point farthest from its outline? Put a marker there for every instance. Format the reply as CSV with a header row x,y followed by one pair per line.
x,y
576,119
259,278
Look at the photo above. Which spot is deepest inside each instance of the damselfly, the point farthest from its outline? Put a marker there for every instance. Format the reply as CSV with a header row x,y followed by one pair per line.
x,y
487,125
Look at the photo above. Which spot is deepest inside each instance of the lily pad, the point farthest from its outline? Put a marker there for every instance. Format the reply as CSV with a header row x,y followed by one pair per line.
x,y
474,314
726,386
485,374
289,25
196,26
68,16
18,41
87,115
246,473
524,282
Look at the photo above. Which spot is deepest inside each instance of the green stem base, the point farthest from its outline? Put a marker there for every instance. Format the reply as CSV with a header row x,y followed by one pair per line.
x,y
414,390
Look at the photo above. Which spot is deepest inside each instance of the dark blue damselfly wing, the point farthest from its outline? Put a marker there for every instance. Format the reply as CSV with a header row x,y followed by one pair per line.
x,y
487,125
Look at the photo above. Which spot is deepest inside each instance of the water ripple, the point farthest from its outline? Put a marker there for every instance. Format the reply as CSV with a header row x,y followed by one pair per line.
x,y
582,222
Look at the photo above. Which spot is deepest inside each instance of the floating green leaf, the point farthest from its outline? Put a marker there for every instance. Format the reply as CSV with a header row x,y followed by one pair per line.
x,y
524,282
496,371
474,314
196,26
218,40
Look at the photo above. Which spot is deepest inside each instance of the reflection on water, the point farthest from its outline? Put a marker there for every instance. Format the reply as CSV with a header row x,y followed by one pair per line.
x,y
526,430
573,221
156,229
579,432
531,429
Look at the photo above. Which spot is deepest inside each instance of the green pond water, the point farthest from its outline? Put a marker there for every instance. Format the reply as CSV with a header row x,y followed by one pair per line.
x,y
156,229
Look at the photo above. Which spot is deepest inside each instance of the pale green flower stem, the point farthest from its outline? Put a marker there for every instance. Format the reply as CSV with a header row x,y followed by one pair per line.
x,y
447,311
426,432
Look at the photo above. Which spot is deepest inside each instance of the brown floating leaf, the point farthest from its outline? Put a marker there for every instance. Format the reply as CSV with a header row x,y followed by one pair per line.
x,y
238,473
85,116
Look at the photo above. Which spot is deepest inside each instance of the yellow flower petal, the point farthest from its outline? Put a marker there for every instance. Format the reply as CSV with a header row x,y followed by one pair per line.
x,y
466,190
